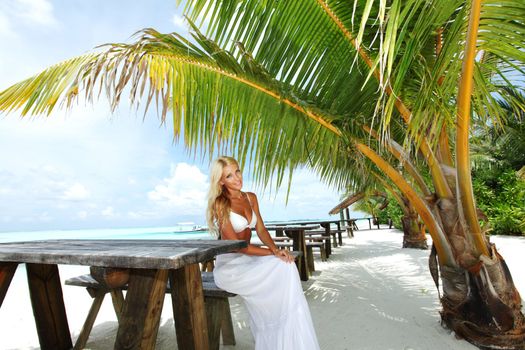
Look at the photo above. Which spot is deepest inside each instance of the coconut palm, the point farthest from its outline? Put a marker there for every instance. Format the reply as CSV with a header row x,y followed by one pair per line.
x,y
344,88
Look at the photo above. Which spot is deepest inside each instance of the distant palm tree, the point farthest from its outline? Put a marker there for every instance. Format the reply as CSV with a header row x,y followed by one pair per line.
x,y
344,88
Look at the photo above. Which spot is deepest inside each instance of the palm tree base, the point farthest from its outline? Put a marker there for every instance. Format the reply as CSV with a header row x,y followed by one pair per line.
x,y
413,232
482,305
415,244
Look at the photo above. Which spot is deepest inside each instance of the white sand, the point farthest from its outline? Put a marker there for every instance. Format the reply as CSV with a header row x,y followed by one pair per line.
x,y
371,294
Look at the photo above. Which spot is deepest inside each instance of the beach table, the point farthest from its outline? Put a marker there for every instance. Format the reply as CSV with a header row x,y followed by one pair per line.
x,y
326,225
296,233
150,263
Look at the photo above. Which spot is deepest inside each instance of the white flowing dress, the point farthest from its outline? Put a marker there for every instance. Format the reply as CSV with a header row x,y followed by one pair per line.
x,y
271,290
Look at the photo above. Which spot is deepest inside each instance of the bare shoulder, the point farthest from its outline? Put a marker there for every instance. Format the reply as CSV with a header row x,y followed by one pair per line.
x,y
252,196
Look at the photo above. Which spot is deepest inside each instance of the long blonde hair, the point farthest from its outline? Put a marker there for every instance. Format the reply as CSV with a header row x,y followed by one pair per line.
x,y
219,204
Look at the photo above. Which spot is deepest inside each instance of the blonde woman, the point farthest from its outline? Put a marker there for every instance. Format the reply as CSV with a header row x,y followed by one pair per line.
x,y
265,278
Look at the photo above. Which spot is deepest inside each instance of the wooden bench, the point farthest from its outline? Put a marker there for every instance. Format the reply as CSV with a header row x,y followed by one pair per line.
x,y
311,241
322,232
309,251
216,302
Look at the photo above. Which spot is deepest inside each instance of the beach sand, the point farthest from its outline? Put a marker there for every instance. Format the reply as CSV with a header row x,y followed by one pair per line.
x,y
370,294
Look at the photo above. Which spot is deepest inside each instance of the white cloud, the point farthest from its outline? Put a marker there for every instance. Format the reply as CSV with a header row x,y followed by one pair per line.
x,y
308,198
142,215
82,215
76,192
184,190
108,212
179,22
5,191
36,11
5,25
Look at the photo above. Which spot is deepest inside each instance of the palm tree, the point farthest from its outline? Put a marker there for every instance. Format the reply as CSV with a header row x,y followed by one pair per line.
x,y
345,88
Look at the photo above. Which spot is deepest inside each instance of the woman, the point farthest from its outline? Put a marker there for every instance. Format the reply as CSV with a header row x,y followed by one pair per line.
x,y
265,278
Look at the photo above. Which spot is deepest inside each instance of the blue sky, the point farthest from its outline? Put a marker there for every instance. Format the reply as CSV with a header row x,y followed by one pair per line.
x,y
88,168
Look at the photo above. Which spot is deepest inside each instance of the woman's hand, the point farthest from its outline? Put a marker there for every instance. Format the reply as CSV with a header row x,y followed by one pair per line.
x,y
284,255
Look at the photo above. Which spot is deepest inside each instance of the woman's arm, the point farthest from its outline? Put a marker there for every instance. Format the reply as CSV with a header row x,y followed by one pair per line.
x,y
227,232
263,233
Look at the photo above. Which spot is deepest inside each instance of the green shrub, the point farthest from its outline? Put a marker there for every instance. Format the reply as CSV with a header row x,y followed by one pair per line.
x,y
501,197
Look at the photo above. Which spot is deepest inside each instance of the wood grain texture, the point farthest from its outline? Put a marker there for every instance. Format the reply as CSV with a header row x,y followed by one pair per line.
x,y
7,271
328,244
188,308
299,244
83,336
140,318
228,335
215,300
214,316
145,254
48,307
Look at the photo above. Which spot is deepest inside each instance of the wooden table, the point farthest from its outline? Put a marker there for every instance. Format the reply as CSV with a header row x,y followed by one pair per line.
x,y
296,233
151,263
326,225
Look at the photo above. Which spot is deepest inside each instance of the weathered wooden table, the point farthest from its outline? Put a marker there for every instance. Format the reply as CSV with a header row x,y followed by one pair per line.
x,y
151,263
296,233
326,225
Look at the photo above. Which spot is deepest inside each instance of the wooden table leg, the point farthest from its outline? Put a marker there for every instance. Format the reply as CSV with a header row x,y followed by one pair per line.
x,y
299,244
7,271
140,318
188,308
48,306
228,336
327,242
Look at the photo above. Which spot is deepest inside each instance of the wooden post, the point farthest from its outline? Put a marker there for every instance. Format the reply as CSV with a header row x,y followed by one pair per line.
x,y
48,306
188,308
228,336
140,318
310,258
214,316
327,243
347,210
83,336
299,244
7,271
117,297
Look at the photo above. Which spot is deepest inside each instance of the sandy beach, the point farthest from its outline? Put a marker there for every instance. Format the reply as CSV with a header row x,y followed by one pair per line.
x,y
370,294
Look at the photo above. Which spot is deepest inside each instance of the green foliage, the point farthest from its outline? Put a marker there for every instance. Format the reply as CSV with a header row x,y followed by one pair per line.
x,y
500,194
369,205
498,154
392,211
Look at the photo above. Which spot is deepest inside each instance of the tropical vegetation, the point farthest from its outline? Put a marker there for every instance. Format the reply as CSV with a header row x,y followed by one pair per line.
x,y
356,90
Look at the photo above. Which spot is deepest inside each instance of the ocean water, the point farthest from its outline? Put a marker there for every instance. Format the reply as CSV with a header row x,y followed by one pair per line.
x,y
174,232
180,231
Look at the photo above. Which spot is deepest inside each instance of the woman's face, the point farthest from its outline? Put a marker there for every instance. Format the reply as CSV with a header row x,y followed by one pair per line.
x,y
231,178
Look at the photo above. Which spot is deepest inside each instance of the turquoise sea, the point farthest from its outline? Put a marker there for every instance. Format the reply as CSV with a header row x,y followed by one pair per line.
x,y
182,231
174,232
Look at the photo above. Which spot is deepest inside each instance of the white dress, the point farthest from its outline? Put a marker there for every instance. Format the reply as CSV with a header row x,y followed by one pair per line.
x,y
272,292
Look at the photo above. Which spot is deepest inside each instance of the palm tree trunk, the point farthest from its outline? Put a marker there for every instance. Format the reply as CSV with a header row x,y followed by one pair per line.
x,y
413,230
480,302
482,305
